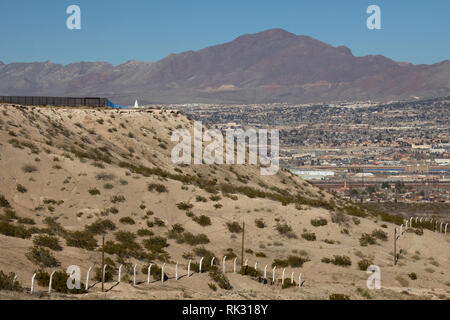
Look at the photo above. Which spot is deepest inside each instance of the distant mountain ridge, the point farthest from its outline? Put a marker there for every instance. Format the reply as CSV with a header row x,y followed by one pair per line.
x,y
270,66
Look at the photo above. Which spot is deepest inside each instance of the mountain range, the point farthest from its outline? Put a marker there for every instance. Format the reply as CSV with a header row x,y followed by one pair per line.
x,y
270,66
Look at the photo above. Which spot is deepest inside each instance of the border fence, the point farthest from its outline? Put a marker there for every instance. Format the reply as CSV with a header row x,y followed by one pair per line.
x,y
61,101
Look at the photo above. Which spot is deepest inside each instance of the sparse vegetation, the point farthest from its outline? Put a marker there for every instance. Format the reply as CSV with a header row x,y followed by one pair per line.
x,y
319,222
234,227
48,242
42,257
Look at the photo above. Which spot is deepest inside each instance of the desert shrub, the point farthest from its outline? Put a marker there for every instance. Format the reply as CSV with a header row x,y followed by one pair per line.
x,y
326,260
158,222
127,220
81,239
356,221
215,197
10,230
54,226
412,276
380,234
48,242
59,282
355,211
364,292
160,188
367,239
217,205
201,199
42,257
319,222
310,236
296,262
202,220
29,221
156,244
20,188
155,271
28,168
285,230
184,206
342,261
109,276
280,263
364,264
260,254
194,240
260,223
3,202
234,227
7,282
339,218
218,277
108,186
339,296
100,227
212,286
144,233
117,198
94,191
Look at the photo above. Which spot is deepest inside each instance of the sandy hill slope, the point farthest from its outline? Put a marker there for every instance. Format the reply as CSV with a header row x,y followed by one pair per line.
x,y
69,175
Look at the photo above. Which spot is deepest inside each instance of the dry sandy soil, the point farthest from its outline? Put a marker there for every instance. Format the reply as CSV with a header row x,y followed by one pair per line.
x,y
59,155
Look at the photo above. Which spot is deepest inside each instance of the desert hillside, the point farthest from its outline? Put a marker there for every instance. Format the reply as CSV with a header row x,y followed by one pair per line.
x,y
69,176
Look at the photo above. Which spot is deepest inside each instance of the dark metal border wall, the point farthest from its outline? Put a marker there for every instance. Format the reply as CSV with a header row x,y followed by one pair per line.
x,y
54,101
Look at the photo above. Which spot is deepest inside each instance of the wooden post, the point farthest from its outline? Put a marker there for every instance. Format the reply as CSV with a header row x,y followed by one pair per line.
x,y
103,263
395,246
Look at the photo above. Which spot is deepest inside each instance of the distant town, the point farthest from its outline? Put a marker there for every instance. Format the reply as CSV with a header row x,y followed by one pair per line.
x,y
375,153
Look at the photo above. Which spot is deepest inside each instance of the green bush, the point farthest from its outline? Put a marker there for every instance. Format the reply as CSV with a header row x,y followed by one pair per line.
x,y
367,239
7,282
380,234
117,198
144,233
201,199
342,261
234,227
310,236
20,188
319,222
339,296
156,244
412,276
260,223
202,220
127,220
3,202
184,206
94,191
100,227
221,280
81,239
48,242
59,282
160,188
10,230
42,257
364,264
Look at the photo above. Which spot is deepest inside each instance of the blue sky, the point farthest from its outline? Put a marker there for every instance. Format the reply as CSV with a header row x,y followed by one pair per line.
x,y
147,30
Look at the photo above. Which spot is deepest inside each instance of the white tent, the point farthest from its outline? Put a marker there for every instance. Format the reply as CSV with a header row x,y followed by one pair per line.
x,y
136,105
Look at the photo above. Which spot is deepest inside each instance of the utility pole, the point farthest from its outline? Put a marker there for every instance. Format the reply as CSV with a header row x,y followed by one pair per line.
x,y
242,253
395,246
103,263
